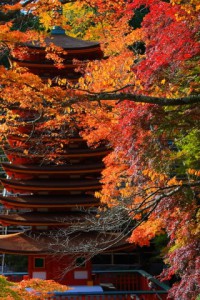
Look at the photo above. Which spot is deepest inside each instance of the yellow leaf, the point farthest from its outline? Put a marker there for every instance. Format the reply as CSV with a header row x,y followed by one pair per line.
x,y
163,81
26,152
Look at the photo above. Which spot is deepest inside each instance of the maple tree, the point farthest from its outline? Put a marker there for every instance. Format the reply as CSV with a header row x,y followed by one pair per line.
x,y
141,100
32,289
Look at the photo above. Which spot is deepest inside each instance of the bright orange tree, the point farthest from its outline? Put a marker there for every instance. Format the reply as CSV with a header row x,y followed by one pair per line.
x,y
142,100
32,289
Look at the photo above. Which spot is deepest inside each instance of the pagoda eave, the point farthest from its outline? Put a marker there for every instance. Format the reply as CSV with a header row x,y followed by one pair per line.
x,y
49,202
68,43
19,137
36,243
52,170
20,243
88,152
41,66
42,219
18,157
19,186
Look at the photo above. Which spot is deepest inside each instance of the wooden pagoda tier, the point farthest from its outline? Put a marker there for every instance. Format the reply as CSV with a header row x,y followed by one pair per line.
x,y
24,142
75,150
55,171
72,151
49,201
37,218
50,187
32,55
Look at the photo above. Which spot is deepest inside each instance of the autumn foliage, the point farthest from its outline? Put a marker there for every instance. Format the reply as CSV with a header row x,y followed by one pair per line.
x,y
125,101
33,289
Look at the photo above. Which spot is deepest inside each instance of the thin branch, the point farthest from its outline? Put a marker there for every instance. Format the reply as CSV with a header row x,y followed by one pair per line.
x,y
106,92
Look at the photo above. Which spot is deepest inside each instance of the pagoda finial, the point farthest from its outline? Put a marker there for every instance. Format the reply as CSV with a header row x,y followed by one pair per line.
x,y
57,30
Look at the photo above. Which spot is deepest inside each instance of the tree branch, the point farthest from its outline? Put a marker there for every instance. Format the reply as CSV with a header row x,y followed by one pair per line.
x,y
119,97
61,1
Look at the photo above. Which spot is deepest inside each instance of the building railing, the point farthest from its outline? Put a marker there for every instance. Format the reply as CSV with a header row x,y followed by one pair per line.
x,y
115,295
15,276
124,285
129,280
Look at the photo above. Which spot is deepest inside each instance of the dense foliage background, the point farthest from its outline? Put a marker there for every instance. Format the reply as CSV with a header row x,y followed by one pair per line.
x,y
141,100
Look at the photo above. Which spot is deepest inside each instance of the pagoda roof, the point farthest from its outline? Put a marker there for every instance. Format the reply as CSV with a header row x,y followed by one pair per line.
x,y
20,186
47,138
35,218
50,201
64,41
20,243
68,153
36,243
53,169
17,155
